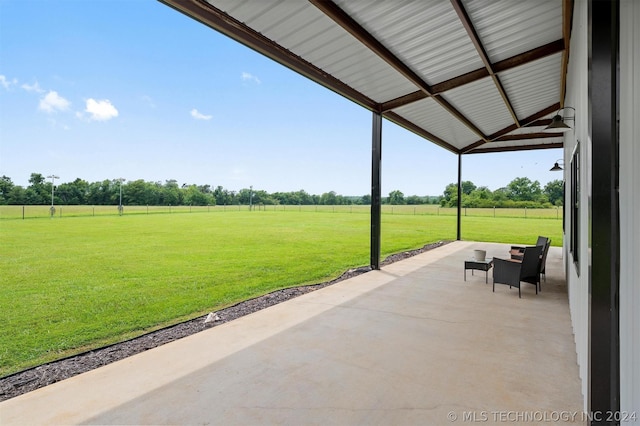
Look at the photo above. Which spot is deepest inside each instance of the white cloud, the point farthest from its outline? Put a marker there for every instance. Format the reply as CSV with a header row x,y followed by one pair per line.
x,y
35,87
250,77
102,110
199,116
53,102
7,83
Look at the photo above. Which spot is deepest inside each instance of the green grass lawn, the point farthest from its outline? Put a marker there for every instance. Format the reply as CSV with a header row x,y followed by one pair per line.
x,y
74,283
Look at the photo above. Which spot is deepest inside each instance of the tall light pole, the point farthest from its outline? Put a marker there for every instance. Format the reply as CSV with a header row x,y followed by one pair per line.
x,y
120,207
250,197
53,178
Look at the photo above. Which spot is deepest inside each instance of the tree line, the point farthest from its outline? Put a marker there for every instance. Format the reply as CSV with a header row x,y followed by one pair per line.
x,y
171,193
520,192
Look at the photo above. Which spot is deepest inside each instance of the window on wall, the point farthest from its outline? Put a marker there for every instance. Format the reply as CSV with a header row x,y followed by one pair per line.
x,y
574,245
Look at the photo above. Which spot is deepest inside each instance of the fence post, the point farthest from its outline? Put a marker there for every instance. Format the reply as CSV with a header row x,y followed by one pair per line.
x,y
525,212
494,212
23,212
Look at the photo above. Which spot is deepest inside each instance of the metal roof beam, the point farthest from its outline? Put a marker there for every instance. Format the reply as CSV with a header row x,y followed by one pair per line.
x,y
506,64
412,127
535,118
539,123
538,115
344,20
526,136
475,39
567,18
349,24
516,148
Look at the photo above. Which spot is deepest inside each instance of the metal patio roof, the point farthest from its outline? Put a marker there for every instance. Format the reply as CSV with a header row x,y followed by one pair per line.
x,y
468,75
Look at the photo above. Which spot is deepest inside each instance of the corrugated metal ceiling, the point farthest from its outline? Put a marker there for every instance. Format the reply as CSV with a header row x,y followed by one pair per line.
x,y
469,75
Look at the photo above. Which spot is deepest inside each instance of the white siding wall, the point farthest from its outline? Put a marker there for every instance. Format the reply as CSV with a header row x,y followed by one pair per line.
x,y
577,97
630,207
578,280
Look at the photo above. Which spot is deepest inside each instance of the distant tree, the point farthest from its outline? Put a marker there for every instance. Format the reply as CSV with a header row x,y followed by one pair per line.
x,y
194,196
479,197
17,195
365,200
36,179
523,189
39,191
396,198
134,193
245,196
328,198
467,187
205,189
342,200
101,193
450,195
6,185
433,199
222,196
300,197
171,194
261,196
500,195
414,200
554,191
74,193
304,197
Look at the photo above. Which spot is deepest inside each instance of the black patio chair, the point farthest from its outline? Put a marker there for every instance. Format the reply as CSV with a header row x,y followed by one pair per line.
x,y
517,251
543,263
513,272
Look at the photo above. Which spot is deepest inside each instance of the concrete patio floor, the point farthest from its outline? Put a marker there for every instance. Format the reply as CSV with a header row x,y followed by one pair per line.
x,y
412,344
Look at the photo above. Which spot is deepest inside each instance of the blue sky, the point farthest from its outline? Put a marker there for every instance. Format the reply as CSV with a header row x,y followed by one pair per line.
x,y
104,89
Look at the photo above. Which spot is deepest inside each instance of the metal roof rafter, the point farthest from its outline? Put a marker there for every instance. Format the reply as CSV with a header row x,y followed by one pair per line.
x,y
527,122
567,17
516,148
475,39
503,65
345,21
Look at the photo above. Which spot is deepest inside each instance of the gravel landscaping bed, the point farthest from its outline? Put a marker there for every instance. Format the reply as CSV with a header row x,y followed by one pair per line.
x,y
46,374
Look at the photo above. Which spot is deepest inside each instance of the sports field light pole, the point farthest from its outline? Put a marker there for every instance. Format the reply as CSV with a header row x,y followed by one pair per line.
x,y
53,178
120,208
